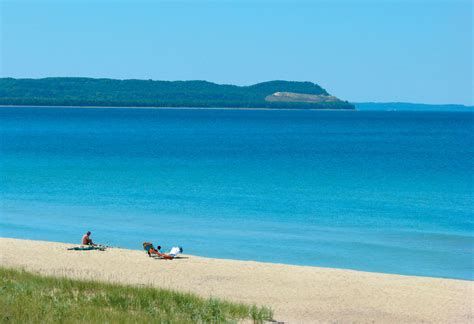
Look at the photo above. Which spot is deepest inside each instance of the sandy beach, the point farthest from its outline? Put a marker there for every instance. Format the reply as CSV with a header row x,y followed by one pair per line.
x,y
297,294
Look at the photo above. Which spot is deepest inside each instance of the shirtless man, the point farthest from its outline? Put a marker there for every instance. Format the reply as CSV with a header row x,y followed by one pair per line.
x,y
86,240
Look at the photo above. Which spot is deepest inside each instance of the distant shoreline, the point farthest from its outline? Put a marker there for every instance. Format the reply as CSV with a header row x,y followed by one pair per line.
x,y
173,108
77,91
429,108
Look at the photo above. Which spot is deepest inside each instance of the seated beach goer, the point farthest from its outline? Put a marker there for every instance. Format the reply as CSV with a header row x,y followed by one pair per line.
x,y
86,239
151,250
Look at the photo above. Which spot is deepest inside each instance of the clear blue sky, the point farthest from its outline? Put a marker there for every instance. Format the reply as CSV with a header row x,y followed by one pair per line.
x,y
380,50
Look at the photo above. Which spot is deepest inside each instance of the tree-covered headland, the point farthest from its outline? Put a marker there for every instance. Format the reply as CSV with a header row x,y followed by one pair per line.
x,y
149,93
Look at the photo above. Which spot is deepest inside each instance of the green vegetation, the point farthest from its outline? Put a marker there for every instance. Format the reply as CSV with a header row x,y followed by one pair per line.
x,y
148,93
31,298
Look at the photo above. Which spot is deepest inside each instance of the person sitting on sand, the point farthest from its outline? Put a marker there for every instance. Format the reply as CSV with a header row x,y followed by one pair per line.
x,y
86,239
151,250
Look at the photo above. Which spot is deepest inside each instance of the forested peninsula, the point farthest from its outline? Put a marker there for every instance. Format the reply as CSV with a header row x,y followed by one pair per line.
x,y
148,93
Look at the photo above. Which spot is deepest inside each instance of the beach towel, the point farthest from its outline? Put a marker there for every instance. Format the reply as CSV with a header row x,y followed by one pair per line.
x,y
87,248
175,251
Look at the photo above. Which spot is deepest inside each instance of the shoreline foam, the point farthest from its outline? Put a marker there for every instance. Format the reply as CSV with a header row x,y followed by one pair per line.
x,y
297,294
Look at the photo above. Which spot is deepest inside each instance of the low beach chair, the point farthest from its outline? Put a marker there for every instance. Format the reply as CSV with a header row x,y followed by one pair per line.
x,y
147,246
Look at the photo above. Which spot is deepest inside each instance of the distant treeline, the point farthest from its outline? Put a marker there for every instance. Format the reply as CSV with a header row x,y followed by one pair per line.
x,y
149,93
405,106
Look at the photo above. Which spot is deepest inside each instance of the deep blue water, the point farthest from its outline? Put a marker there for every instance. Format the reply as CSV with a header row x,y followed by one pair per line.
x,y
377,191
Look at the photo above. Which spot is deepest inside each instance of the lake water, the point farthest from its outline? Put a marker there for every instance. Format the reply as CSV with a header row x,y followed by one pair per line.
x,y
375,191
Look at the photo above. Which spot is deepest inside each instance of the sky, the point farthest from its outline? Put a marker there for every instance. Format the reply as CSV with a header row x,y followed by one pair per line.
x,y
378,51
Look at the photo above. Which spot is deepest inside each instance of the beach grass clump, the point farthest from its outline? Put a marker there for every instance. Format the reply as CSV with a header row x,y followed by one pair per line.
x,y
31,298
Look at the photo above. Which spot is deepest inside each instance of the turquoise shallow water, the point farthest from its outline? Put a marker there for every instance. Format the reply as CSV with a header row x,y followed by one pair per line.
x,y
376,191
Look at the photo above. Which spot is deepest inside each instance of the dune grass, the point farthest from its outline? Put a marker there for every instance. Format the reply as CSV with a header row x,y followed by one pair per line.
x,y
30,298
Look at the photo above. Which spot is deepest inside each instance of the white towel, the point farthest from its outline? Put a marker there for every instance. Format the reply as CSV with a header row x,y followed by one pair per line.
x,y
175,250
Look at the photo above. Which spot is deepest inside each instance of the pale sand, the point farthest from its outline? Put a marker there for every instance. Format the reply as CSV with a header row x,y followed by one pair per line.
x,y
296,294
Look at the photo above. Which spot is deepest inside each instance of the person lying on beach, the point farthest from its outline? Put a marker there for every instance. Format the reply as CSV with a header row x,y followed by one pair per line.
x,y
151,250
86,239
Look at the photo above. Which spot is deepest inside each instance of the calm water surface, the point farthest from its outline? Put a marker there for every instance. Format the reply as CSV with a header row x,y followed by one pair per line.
x,y
377,191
